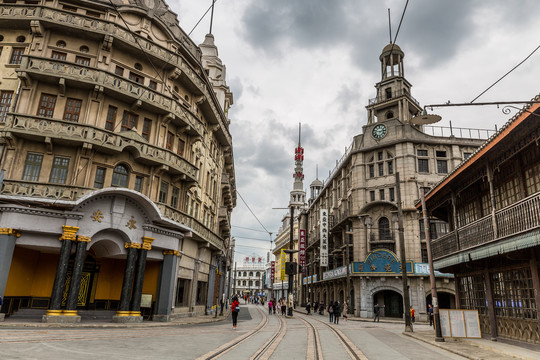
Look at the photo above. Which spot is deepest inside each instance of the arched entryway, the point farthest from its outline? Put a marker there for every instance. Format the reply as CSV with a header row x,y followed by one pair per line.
x,y
392,301
446,300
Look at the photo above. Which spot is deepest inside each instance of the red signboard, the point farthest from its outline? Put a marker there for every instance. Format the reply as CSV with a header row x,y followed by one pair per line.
x,y
302,250
273,271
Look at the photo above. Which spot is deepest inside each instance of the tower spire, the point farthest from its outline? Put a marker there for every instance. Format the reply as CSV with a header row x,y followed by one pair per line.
x,y
212,16
389,26
298,195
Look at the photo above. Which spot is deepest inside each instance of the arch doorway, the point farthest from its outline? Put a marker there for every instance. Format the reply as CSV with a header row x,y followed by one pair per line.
x,y
392,301
446,300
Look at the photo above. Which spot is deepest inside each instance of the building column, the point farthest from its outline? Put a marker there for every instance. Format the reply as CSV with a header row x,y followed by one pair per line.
x,y
536,283
165,295
127,283
491,305
8,237
68,235
194,285
75,285
210,290
139,276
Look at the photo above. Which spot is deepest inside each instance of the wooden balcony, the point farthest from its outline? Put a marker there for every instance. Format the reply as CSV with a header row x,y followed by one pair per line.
x,y
39,129
49,70
515,219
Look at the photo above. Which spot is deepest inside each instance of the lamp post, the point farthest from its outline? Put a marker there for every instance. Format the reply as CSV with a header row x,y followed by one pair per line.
x,y
434,300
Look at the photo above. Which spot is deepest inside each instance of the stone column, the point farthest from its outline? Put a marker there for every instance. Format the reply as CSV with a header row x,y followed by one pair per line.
x,y
61,271
165,295
8,237
75,285
127,283
210,290
139,276
194,284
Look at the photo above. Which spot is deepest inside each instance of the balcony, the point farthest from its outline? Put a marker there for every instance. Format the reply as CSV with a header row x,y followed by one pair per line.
x,y
43,191
50,70
200,231
39,128
515,219
395,95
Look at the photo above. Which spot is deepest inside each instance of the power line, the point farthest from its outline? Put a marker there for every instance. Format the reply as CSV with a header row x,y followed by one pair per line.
x,y
245,228
240,237
502,77
253,247
202,17
252,213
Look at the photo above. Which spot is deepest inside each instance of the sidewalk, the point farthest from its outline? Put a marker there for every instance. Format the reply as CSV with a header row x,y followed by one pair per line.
x,y
475,349
36,323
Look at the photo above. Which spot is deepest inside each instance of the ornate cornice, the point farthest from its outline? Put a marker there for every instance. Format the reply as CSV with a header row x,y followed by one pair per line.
x,y
147,242
39,212
157,230
132,245
171,252
81,238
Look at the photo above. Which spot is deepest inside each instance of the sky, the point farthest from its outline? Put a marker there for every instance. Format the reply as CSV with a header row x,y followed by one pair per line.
x,y
316,62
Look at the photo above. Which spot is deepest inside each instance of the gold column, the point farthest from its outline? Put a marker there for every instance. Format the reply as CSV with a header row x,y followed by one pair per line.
x,y
9,231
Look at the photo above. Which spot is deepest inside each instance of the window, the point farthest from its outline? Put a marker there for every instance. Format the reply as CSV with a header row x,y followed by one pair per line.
x,y
391,194
384,229
84,49
147,125
440,154
120,176
422,153
61,44
174,197
372,195
82,60
57,55
5,103
138,66
423,249
129,121
466,155
135,77
20,38
163,192
99,180
138,183
111,118
388,92
181,146
32,166
170,140
16,55
423,165
390,167
119,71
381,169
72,110
371,171
379,155
442,166
389,115
381,194
93,13
152,85
46,105
59,170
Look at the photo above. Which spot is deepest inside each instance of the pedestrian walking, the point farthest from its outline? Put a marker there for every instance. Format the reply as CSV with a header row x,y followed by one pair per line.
x,y
337,312
331,311
235,309
430,313
308,308
345,310
283,307
377,311
321,309
412,314
270,307
274,305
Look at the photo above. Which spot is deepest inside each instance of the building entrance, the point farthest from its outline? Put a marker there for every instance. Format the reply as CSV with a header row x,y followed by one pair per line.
x,y
446,300
392,301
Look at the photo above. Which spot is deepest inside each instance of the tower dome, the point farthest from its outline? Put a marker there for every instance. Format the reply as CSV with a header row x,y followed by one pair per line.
x,y
391,61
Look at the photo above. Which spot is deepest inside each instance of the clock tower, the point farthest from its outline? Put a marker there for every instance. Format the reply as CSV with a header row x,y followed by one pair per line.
x,y
393,100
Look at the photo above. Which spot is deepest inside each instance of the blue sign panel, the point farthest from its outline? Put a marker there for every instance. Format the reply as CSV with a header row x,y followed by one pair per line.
x,y
381,261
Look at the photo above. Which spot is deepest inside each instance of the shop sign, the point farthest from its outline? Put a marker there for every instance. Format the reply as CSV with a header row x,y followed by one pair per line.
x,y
302,250
273,271
282,264
324,238
381,261
335,273
423,269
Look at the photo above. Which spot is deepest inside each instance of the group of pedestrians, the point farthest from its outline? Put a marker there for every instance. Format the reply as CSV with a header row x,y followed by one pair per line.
x,y
279,305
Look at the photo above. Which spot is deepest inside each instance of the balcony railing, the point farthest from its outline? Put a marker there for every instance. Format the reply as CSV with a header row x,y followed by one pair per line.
x,y
395,94
44,191
511,220
36,66
33,126
465,133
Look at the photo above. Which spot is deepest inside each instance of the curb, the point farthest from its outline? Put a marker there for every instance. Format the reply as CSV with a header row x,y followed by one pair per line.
x,y
439,345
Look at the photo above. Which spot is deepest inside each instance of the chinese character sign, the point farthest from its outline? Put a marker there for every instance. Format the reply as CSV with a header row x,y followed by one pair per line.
x,y
324,237
283,260
302,250
273,271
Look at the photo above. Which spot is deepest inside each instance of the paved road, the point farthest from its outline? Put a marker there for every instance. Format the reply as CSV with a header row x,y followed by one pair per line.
x,y
293,339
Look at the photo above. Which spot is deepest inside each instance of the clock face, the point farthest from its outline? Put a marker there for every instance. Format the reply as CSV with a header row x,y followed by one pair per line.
x,y
379,131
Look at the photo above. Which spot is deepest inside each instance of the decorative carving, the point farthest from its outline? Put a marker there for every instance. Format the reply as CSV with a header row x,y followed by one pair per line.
x,y
37,28
69,233
131,223
373,267
107,43
132,245
147,243
171,252
97,216
85,239
8,231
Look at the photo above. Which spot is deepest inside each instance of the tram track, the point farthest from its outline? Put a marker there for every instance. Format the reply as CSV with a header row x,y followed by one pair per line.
x,y
316,349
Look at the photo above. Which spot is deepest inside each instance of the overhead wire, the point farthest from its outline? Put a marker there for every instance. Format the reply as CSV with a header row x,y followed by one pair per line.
x,y
252,213
245,228
202,17
399,26
502,77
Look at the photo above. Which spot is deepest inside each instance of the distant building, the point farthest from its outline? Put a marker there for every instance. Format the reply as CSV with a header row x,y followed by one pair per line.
x,y
360,201
117,162
491,202
249,278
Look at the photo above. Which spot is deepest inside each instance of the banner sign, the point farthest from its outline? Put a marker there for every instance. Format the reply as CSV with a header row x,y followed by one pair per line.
x,y
272,271
324,237
302,250
282,264
335,273
381,261
423,269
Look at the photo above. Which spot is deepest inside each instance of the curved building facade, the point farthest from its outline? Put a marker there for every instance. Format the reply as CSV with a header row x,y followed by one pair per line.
x,y
117,162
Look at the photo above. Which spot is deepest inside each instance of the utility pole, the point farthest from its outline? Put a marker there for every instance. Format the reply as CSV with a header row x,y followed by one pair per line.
x,y
347,287
406,301
290,276
434,300
234,283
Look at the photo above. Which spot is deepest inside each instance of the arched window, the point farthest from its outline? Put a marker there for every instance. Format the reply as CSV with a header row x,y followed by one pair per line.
x,y
61,44
384,229
84,49
389,114
251,274
258,274
244,283
245,274
138,66
257,283
120,176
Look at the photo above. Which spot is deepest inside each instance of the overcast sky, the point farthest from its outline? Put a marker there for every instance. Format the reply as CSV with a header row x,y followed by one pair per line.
x,y
317,61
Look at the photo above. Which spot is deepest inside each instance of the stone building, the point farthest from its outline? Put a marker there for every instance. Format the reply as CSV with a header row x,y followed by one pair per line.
x,y
360,198
492,204
249,277
117,161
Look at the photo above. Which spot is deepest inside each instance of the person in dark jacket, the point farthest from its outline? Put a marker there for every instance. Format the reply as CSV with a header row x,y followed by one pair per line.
x,y
235,309
337,312
308,308
331,311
